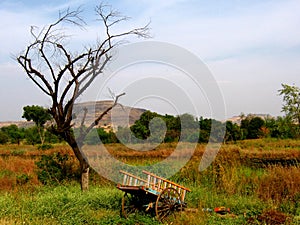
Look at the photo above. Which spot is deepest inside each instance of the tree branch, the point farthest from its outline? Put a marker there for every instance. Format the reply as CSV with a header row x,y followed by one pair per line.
x,y
95,123
68,74
31,72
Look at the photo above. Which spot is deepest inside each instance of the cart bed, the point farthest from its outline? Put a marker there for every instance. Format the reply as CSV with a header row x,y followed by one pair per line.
x,y
153,185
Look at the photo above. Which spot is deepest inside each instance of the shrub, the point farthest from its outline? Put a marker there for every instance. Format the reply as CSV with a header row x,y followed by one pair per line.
x,y
53,169
17,152
45,147
22,179
3,138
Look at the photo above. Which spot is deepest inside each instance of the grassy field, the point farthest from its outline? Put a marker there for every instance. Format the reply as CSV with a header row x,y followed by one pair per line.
x,y
258,180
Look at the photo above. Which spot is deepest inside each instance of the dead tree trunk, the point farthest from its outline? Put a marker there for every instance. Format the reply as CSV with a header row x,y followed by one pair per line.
x,y
84,166
64,74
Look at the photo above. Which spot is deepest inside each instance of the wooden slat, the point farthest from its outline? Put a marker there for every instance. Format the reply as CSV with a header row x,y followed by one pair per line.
x,y
183,195
124,178
153,182
129,178
170,183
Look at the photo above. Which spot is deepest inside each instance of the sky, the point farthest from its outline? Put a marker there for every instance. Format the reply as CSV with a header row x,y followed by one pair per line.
x,y
250,46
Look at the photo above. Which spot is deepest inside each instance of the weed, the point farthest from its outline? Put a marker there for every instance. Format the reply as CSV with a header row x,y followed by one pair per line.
x,y
23,179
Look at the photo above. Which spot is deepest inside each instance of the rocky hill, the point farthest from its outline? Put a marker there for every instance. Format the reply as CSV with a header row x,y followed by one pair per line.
x,y
122,115
22,124
119,116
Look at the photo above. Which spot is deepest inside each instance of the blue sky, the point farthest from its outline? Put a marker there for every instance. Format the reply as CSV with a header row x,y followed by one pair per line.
x,y
251,47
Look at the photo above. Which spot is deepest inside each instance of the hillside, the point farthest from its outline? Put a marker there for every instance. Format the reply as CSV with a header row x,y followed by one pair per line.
x,y
120,114
20,124
94,109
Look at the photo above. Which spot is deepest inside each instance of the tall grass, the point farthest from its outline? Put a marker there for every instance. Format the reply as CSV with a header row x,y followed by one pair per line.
x,y
281,185
101,205
16,171
66,205
59,205
243,177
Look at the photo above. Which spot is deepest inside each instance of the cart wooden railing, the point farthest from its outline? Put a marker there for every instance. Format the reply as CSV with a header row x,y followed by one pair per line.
x,y
132,180
154,183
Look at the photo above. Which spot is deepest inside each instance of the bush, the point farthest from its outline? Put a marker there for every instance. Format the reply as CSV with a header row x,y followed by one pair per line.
x,y
17,152
53,169
23,179
3,138
45,147
32,136
52,138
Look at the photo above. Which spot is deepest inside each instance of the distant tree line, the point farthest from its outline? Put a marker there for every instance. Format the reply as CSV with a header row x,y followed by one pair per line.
x,y
198,129
15,135
155,128
195,130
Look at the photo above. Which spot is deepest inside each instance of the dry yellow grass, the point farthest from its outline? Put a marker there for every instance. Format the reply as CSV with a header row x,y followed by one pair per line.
x,y
280,184
225,173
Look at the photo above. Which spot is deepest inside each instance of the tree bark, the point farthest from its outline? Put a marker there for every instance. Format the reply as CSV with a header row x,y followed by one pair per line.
x,y
85,169
41,133
84,166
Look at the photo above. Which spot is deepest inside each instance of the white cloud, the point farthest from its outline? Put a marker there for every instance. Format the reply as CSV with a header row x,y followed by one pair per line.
x,y
249,45
271,26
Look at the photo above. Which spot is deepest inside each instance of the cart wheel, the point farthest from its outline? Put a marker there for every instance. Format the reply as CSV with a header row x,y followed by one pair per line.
x,y
129,205
167,204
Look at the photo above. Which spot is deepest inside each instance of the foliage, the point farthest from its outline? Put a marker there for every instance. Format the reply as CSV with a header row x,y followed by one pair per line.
x,y
124,134
280,127
23,179
141,127
251,127
4,138
32,136
14,134
52,138
194,130
39,116
55,168
157,128
167,129
45,146
233,132
254,128
250,192
99,135
106,137
291,99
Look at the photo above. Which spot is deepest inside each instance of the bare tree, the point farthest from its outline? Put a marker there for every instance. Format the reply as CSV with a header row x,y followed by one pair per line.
x,y
64,74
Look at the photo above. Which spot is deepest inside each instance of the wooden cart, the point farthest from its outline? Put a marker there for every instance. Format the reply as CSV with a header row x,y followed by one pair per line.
x,y
153,194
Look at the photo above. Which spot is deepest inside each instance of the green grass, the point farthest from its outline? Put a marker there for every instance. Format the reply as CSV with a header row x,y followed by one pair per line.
x,y
66,205
228,182
101,205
